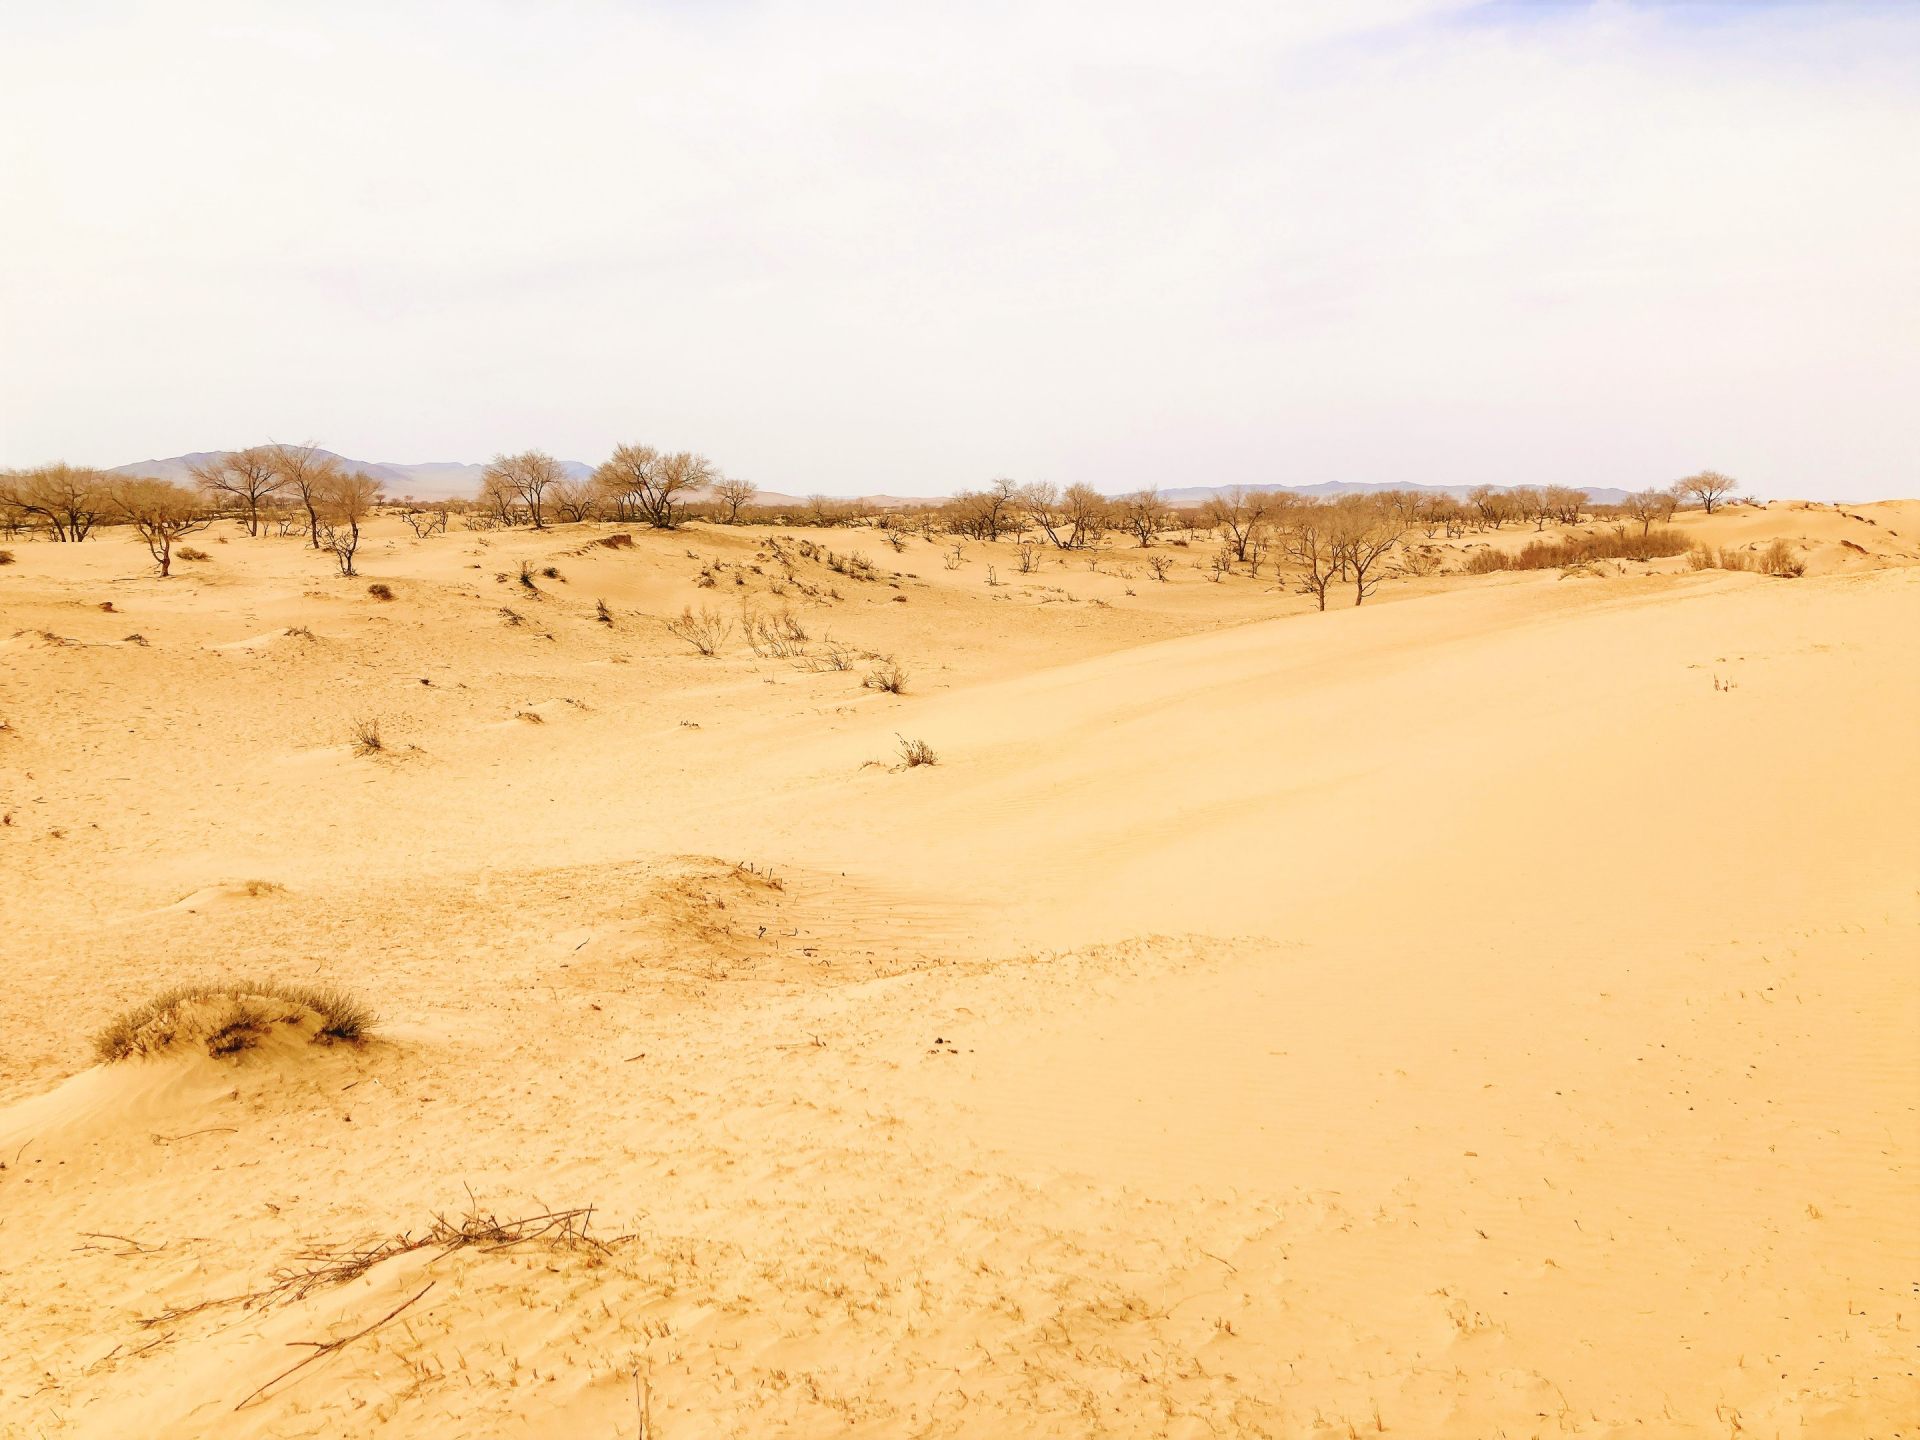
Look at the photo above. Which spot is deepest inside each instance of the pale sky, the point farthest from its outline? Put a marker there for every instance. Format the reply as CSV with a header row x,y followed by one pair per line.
x,y
853,247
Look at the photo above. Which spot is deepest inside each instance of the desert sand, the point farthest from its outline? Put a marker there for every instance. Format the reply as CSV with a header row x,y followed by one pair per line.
x,y
1489,1011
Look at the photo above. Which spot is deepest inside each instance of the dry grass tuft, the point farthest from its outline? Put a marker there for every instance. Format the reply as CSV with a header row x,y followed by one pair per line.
x,y
232,1016
366,736
889,675
380,590
6,557
187,552
916,752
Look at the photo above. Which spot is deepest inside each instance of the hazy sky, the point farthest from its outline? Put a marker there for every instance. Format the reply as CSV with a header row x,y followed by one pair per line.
x,y
908,246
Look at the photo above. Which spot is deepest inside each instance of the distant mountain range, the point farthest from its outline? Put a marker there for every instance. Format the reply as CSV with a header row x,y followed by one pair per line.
x,y
458,479
434,480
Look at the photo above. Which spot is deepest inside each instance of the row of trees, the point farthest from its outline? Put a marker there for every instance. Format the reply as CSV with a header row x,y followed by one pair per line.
x,y
637,484
295,482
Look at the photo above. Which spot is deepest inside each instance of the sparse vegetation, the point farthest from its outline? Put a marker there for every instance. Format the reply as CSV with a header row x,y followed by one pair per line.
x,y
706,630
380,590
231,1016
364,735
1617,544
916,752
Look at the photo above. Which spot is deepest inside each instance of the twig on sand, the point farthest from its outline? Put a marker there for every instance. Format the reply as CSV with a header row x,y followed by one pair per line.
x,y
329,1346
210,1130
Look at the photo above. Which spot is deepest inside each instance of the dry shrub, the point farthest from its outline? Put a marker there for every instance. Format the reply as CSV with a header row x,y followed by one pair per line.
x,y
1779,559
602,613
6,557
1700,558
512,616
706,630
836,657
616,542
380,590
187,552
1579,550
780,634
889,675
366,736
230,1016
916,752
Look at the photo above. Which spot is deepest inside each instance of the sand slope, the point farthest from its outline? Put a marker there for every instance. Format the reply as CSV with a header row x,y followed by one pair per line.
x,y
1485,1012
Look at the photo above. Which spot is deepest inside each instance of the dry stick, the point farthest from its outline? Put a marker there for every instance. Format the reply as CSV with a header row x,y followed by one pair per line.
x,y
210,1130
330,1346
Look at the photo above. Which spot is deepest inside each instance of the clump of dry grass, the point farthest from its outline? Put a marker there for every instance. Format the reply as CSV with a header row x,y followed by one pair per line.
x,y
231,1016
1618,544
1780,559
889,675
6,557
380,590
365,734
187,552
616,542
916,752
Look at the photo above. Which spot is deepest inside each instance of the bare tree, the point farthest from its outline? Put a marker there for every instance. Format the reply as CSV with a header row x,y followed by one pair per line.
x,y
572,500
68,499
986,514
527,475
160,513
304,471
345,501
247,478
1565,502
1362,533
1086,511
654,485
1069,518
1647,506
1240,512
1709,487
1307,539
1142,514
732,493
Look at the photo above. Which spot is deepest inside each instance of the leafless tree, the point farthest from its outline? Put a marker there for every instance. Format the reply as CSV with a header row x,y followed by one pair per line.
x,y
344,503
1240,512
1086,511
572,500
1647,506
304,471
247,478
1709,487
527,475
160,512
655,486
985,514
1142,514
425,520
1307,539
733,493
68,499
1363,532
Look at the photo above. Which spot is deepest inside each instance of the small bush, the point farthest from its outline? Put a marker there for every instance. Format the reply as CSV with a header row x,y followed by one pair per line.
x,y
1779,559
916,752
366,736
552,572
380,590
616,542
188,552
706,631
231,1016
6,557
889,675
602,613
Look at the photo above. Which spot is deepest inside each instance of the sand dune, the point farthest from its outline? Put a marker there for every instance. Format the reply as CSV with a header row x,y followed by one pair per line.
x,y
1488,1011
